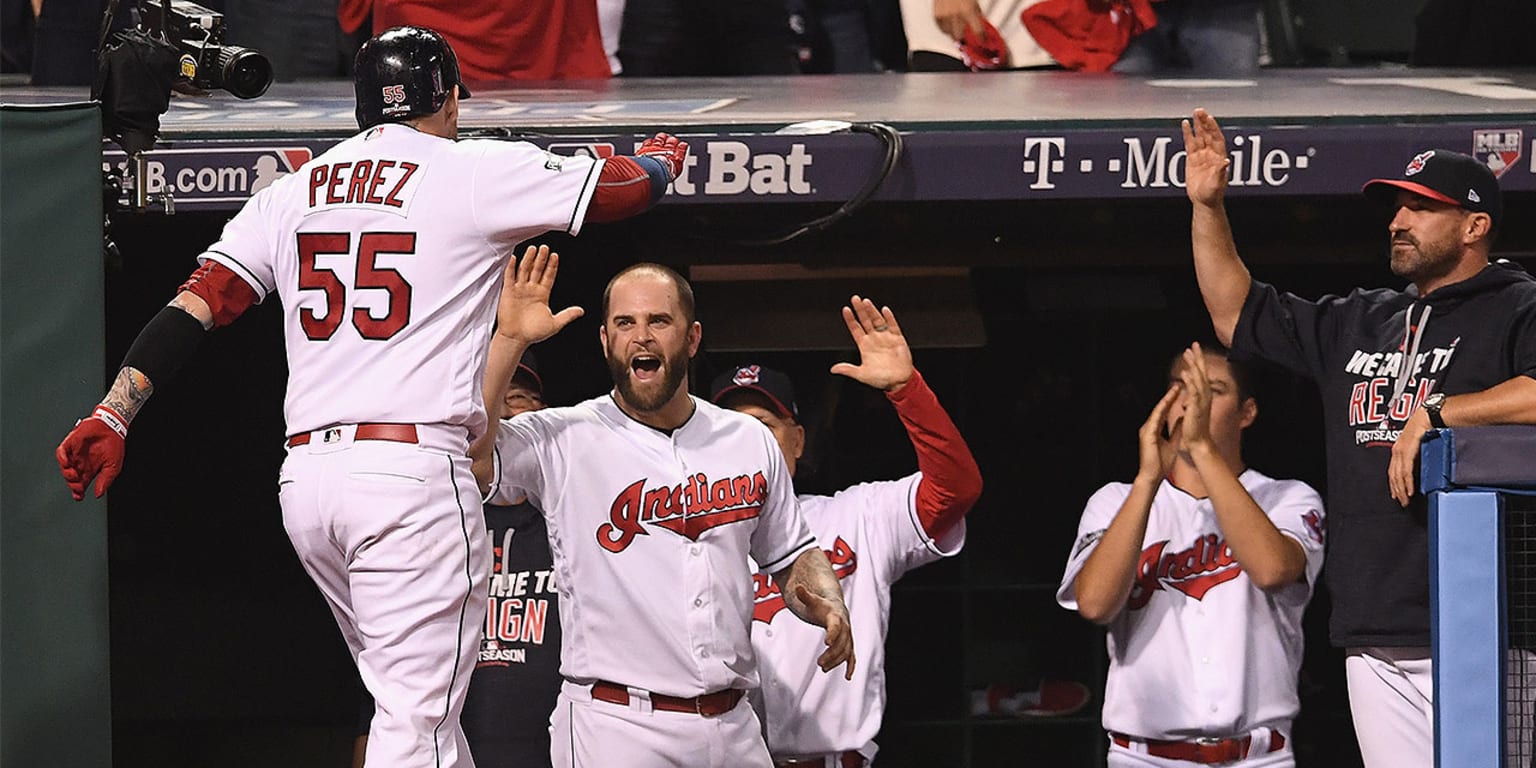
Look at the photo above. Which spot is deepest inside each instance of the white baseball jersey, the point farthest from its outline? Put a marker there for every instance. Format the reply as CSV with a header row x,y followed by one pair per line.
x,y
872,535
651,535
385,250
385,253
1198,649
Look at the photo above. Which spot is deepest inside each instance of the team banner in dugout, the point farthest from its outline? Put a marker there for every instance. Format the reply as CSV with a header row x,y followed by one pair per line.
x,y
1103,162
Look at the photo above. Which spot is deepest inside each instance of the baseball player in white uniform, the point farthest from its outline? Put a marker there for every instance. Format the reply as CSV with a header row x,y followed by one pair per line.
x,y
384,252
873,533
1200,569
654,501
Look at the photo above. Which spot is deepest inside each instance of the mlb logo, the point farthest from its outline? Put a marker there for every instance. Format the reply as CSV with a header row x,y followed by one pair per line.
x,y
393,94
746,376
1499,148
332,435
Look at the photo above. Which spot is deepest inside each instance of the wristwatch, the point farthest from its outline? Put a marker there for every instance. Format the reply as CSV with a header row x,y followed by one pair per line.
x,y
1432,405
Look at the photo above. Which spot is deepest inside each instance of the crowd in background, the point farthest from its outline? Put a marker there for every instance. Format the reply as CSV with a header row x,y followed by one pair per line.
x,y
498,40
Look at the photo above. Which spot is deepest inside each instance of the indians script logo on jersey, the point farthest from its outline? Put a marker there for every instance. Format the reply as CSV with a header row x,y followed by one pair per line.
x,y
1194,571
767,600
687,509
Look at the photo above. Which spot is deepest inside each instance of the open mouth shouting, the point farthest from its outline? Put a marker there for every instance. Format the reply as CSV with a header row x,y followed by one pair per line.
x,y
649,379
645,367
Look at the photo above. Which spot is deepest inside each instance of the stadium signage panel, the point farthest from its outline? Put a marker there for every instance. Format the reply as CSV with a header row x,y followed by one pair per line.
x,y
985,163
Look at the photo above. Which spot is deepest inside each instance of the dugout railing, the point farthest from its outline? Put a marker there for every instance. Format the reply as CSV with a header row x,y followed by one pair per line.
x,y
1481,484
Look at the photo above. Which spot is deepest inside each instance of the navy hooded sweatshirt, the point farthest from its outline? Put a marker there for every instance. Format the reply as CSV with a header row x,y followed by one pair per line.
x,y
1464,337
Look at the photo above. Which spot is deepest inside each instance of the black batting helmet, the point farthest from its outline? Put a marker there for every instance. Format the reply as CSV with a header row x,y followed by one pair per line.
x,y
404,72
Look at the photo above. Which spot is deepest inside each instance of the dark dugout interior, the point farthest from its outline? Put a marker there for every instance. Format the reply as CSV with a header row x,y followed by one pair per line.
x,y
1044,327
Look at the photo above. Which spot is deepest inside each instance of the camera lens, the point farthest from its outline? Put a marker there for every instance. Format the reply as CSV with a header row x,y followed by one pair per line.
x,y
244,72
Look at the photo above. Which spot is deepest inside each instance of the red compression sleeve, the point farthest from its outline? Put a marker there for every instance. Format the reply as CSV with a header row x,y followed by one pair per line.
x,y
226,294
951,481
623,190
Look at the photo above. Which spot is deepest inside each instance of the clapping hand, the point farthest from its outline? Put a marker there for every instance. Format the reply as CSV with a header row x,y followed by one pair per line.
x,y
1157,453
1196,421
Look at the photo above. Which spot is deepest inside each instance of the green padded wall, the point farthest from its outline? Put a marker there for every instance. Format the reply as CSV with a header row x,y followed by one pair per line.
x,y
55,702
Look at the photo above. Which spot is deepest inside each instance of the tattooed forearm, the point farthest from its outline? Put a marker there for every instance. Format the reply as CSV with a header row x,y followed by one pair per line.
x,y
812,571
128,393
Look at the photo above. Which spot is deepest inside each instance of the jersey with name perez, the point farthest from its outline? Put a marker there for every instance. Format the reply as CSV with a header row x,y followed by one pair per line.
x,y
651,534
385,253
1198,649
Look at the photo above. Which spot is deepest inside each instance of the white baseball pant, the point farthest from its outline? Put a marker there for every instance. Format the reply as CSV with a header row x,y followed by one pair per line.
x,y
585,733
393,536
1392,701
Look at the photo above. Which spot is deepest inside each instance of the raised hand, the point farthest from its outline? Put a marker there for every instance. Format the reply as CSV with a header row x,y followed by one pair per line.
x,y
1196,422
523,312
831,615
1156,450
885,360
670,150
1205,160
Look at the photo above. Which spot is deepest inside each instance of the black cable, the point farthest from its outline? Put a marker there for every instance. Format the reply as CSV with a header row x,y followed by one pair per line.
x,y
891,139
893,151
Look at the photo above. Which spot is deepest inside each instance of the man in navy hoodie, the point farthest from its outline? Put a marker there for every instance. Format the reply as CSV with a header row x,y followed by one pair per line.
x,y
1456,348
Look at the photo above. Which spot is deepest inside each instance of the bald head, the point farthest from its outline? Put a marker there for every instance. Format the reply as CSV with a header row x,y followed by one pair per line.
x,y
653,271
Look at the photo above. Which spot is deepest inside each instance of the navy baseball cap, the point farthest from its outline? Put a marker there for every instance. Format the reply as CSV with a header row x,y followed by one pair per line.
x,y
764,381
1450,177
528,371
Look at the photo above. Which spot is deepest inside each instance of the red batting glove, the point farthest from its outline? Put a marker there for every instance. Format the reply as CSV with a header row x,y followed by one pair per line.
x,y
670,150
93,449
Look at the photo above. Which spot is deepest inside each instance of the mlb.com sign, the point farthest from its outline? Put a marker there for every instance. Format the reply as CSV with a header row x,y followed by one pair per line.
x,y
210,177
719,167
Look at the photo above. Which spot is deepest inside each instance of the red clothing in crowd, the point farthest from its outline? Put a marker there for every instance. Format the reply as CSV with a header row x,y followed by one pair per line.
x,y
500,39
1088,35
